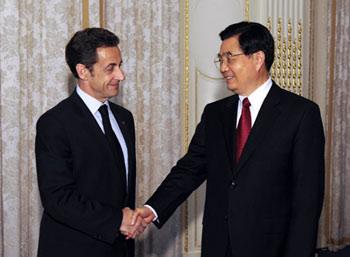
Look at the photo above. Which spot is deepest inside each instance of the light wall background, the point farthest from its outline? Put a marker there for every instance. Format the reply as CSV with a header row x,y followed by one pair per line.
x,y
168,49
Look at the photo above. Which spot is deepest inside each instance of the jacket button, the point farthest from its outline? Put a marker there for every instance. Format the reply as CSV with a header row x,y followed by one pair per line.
x,y
233,184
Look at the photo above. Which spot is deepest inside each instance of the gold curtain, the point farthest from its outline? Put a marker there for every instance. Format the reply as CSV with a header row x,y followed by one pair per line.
x,y
33,78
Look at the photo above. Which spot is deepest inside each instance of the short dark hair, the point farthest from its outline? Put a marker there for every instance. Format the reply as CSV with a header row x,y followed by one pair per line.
x,y
252,37
82,47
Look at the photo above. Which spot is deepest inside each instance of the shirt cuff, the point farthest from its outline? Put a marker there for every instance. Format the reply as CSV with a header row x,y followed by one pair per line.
x,y
154,212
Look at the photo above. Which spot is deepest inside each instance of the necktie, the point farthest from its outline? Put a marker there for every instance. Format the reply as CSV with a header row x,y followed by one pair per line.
x,y
111,137
243,129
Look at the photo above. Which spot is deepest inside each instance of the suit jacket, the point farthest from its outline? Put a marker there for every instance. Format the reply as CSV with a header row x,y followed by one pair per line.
x,y
82,184
267,205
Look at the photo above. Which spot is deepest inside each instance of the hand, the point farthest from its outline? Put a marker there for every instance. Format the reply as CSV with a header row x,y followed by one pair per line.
x,y
131,229
145,213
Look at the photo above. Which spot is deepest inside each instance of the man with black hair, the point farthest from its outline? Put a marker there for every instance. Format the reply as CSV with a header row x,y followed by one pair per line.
x,y
85,153
261,152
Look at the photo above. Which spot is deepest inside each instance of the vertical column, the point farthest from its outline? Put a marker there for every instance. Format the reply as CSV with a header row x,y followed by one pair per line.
x,y
85,15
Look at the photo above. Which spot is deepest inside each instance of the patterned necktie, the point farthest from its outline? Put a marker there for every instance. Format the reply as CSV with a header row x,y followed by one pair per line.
x,y
111,137
243,129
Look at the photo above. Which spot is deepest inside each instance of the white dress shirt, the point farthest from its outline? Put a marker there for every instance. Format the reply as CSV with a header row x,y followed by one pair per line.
x,y
256,100
93,105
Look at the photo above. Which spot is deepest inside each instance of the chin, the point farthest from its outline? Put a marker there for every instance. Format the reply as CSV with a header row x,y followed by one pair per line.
x,y
113,92
232,87
113,95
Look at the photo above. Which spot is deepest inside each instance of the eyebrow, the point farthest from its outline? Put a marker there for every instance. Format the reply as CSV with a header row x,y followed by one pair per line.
x,y
113,64
224,53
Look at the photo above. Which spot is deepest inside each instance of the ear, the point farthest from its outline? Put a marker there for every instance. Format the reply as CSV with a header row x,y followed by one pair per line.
x,y
259,60
82,71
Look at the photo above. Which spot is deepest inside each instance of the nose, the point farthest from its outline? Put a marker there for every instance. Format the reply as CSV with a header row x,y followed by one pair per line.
x,y
119,73
223,66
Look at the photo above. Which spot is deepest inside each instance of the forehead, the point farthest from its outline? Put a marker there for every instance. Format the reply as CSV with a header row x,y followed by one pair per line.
x,y
230,44
108,54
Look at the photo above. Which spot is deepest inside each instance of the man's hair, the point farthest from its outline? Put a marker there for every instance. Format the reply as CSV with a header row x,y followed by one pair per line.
x,y
82,47
252,37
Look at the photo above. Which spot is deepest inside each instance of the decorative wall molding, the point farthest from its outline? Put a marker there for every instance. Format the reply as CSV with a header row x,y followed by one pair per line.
x,y
85,16
91,17
102,13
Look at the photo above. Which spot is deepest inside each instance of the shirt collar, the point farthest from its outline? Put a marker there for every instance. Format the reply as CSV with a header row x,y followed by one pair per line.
x,y
92,103
258,96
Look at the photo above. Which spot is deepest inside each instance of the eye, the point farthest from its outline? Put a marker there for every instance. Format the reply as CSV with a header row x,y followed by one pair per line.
x,y
218,59
109,68
229,55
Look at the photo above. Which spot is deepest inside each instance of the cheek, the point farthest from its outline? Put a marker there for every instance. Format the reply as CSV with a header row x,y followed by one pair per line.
x,y
237,69
109,78
105,80
245,70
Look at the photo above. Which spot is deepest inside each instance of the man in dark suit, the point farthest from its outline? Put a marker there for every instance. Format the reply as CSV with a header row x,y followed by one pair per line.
x,y
261,152
85,153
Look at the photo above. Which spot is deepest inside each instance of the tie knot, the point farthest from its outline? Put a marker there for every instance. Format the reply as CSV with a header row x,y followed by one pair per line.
x,y
103,110
246,102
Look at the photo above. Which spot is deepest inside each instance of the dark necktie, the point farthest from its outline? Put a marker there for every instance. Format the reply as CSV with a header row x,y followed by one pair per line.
x,y
111,137
243,129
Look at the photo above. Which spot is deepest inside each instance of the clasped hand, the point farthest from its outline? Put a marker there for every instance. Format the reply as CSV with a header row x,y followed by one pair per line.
x,y
135,221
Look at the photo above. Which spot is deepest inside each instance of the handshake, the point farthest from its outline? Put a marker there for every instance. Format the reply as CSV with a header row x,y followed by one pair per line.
x,y
135,221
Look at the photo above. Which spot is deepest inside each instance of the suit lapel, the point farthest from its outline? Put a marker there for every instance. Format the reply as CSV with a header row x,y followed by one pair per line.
x,y
266,117
229,114
87,116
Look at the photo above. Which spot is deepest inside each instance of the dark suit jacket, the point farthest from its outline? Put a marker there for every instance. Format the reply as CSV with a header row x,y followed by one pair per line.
x,y
82,184
268,205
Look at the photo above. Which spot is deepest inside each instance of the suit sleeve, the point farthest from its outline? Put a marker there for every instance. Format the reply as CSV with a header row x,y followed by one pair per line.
x,y
183,179
59,193
308,185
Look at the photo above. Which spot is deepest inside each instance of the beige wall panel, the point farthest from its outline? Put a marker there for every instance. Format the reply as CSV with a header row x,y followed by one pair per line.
x,y
94,14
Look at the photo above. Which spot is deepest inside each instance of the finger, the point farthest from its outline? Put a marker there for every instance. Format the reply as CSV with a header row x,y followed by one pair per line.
x,y
126,234
136,229
135,215
137,224
129,236
126,208
137,233
133,227
123,229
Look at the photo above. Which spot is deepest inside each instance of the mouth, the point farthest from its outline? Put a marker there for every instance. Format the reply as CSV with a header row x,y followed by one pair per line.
x,y
114,84
228,78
